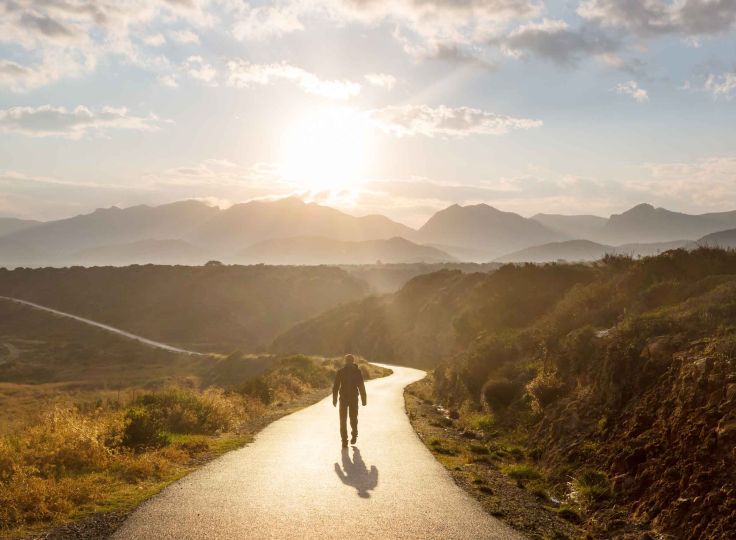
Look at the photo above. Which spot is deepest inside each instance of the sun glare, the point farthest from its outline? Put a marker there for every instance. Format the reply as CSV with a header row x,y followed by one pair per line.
x,y
327,150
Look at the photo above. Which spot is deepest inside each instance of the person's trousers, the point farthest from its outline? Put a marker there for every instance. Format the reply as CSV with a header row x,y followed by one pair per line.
x,y
348,407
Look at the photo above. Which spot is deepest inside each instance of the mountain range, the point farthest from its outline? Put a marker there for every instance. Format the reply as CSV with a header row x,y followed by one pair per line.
x,y
290,231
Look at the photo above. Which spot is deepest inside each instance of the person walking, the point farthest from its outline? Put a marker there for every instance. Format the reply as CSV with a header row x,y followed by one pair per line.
x,y
348,384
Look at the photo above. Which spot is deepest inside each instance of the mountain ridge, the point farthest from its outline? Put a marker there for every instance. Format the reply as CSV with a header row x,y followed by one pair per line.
x,y
476,232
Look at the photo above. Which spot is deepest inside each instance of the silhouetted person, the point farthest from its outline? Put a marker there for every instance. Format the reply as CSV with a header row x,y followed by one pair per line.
x,y
355,473
348,383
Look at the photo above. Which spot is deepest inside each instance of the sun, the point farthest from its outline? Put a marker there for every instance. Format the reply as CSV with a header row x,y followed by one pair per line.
x,y
326,150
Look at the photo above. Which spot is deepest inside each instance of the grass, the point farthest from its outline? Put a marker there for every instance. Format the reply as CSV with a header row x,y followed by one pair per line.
x,y
590,486
74,461
522,471
480,422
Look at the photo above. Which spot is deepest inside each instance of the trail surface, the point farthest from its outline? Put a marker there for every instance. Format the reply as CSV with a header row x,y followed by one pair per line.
x,y
112,329
294,482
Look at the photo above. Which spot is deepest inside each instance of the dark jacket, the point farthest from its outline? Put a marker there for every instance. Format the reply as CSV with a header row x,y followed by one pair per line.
x,y
348,383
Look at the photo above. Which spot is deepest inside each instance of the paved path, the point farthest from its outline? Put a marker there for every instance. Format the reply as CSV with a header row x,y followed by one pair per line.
x,y
295,482
145,341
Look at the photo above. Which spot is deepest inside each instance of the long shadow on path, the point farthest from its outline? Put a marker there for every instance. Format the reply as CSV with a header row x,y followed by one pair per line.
x,y
354,473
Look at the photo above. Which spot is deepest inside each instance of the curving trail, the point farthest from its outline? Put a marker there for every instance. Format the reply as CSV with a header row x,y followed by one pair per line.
x,y
112,329
294,482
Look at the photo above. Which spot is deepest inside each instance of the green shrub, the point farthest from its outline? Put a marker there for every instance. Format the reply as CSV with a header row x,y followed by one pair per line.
x,y
590,486
500,393
143,429
258,388
545,388
307,370
184,411
523,471
480,422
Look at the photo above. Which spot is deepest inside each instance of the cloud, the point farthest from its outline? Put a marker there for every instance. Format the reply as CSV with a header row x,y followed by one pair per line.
x,y
198,69
554,40
423,27
49,121
243,74
721,86
184,36
442,121
66,38
267,21
707,184
154,40
381,80
632,89
648,18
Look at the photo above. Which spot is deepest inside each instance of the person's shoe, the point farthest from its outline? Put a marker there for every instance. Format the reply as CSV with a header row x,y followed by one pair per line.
x,y
353,439
344,444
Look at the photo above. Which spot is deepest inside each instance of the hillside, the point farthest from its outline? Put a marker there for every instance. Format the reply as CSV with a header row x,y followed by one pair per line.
x,y
210,308
389,278
569,250
722,239
317,250
432,317
586,250
50,359
605,386
482,227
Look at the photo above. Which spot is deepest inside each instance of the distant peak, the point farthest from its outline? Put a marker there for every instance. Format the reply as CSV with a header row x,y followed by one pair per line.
x,y
642,207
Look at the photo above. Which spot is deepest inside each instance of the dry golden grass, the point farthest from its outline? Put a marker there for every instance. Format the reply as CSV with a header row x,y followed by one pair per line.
x,y
110,452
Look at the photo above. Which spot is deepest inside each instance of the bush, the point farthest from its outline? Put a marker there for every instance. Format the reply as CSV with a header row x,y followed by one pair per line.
x,y
184,411
29,499
308,370
545,388
258,388
66,442
143,429
500,393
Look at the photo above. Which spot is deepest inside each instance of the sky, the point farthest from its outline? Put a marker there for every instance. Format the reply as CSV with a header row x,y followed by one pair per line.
x,y
399,107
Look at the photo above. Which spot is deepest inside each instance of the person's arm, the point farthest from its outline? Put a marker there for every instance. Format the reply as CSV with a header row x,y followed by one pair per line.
x,y
335,388
361,388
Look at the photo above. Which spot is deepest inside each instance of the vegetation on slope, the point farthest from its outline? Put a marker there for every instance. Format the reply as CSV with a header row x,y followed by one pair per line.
x,y
433,316
619,392
615,382
210,308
